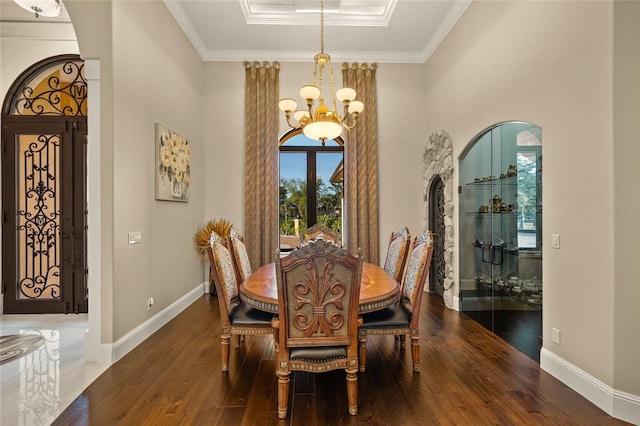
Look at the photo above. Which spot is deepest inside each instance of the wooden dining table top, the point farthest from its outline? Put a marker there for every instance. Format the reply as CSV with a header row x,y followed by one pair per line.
x,y
378,289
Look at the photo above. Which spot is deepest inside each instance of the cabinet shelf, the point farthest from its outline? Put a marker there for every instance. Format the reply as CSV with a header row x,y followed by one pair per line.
x,y
532,298
506,181
511,213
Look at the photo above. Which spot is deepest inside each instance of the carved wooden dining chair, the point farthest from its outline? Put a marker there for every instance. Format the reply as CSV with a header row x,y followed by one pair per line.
x,y
241,261
237,318
322,231
397,252
317,324
402,318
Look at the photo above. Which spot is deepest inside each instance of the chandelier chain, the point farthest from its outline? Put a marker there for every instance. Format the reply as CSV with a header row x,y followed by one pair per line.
x,y
322,124
321,26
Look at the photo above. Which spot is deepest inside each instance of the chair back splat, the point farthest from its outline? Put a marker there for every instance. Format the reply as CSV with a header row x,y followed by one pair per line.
x,y
320,231
317,325
397,253
240,256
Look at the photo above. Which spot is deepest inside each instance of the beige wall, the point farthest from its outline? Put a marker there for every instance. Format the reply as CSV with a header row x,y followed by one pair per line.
x,y
157,78
402,138
550,63
24,53
626,158
142,51
224,142
92,22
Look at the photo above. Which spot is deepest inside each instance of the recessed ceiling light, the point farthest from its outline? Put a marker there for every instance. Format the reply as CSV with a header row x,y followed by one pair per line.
x,y
305,12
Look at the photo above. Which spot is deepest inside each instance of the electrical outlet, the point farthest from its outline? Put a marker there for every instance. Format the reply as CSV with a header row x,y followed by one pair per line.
x,y
555,241
555,335
149,303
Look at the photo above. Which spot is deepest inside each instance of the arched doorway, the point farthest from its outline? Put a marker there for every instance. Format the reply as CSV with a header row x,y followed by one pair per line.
x,y
438,208
500,233
44,128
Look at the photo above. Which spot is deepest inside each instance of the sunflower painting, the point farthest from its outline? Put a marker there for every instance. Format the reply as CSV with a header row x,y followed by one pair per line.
x,y
173,167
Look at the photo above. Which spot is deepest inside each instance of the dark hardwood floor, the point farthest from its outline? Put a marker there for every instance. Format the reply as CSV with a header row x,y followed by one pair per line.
x,y
520,328
468,377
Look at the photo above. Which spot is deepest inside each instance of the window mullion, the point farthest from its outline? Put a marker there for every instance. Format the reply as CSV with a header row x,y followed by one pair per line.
x,y
312,202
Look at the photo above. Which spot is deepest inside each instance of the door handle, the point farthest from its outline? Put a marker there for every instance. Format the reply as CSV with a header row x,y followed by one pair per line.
x,y
496,255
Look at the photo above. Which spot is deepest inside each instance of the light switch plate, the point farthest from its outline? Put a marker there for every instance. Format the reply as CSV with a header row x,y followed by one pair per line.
x,y
135,237
555,241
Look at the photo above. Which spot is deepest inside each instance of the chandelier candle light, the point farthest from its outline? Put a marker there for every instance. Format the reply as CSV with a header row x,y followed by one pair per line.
x,y
322,124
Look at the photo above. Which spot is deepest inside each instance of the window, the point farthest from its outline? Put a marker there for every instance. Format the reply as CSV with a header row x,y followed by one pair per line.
x,y
311,186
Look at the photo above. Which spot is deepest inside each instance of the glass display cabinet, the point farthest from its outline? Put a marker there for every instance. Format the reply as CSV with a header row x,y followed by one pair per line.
x,y
500,199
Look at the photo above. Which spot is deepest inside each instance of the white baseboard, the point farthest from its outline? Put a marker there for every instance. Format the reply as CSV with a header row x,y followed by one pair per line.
x,y
110,353
618,404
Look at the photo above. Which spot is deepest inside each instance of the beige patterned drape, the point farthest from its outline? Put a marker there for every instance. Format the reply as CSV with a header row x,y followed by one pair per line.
x,y
361,165
262,87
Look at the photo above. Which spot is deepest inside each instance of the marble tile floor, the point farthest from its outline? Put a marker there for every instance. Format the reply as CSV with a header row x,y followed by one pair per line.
x,y
37,387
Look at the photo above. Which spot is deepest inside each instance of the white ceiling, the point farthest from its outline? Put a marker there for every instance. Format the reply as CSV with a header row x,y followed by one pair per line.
x,y
390,31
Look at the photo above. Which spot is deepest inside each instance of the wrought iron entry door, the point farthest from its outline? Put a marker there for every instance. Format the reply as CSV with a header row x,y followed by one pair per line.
x,y
436,224
44,225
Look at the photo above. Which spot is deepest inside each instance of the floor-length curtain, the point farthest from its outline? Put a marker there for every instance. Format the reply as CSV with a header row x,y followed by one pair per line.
x,y
361,165
262,89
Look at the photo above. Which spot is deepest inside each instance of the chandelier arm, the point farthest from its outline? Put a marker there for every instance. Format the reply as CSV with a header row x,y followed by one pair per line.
x,y
287,115
310,107
354,118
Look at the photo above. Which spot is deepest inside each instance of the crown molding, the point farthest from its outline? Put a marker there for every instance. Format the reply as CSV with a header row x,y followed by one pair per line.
x,y
45,31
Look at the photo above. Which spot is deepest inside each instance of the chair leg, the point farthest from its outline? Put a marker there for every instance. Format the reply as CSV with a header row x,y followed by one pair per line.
x,y
402,339
352,391
224,350
362,351
236,340
415,351
283,394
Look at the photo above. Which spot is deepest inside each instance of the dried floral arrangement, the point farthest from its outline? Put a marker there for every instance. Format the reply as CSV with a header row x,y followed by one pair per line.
x,y
221,227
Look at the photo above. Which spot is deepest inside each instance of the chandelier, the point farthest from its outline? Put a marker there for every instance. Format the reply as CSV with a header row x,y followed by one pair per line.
x,y
322,124
48,8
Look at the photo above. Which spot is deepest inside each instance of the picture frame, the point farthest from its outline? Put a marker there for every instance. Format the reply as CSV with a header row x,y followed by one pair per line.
x,y
173,165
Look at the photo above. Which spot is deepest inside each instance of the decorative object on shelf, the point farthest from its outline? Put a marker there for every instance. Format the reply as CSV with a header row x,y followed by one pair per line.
x,y
322,124
497,202
47,8
484,209
512,170
173,169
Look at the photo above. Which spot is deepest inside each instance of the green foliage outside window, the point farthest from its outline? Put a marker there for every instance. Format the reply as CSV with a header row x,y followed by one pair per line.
x,y
293,202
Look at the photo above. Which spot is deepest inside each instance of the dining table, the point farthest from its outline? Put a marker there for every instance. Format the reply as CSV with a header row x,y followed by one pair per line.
x,y
378,289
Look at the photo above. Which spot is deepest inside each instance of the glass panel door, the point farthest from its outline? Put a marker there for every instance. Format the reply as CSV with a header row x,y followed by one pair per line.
x,y
500,233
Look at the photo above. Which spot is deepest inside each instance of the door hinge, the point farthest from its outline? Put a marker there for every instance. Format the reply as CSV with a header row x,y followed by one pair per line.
x,y
4,217
459,189
4,287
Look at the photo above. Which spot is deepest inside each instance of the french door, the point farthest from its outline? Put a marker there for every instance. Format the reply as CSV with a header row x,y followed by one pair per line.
x,y
44,214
